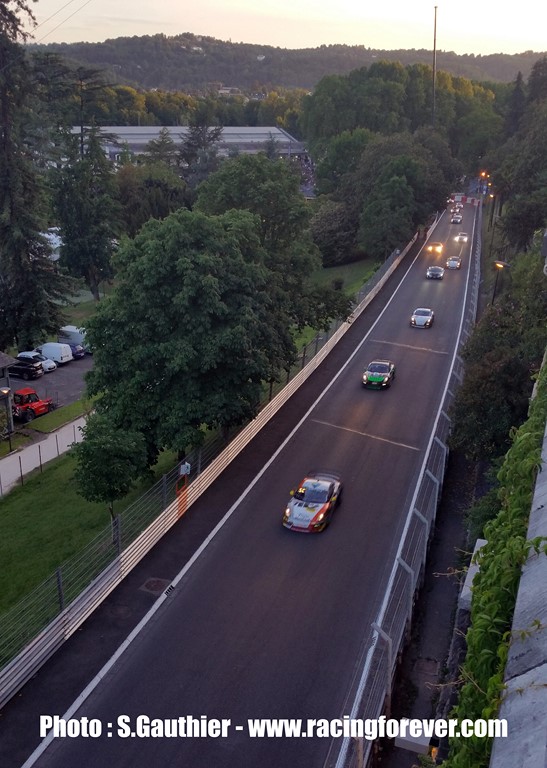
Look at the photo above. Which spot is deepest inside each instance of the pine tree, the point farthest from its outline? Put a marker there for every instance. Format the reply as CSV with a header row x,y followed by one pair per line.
x,y
31,289
87,209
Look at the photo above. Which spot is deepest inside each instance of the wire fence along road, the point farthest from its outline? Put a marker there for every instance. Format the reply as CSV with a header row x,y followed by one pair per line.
x,y
14,467
34,628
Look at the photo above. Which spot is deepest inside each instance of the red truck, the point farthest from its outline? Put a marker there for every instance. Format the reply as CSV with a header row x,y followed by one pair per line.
x,y
27,405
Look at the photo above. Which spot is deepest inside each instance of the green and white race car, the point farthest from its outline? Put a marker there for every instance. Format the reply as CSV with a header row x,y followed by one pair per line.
x,y
379,374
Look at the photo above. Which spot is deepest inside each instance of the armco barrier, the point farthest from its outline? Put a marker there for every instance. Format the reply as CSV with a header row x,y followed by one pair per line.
x,y
36,652
372,691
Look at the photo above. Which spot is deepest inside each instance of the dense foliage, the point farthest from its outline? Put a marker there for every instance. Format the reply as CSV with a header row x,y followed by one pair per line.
x,y
496,584
191,62
501,358
31,289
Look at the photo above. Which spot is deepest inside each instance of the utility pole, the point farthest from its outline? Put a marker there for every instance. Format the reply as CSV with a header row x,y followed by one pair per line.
x,y
434,65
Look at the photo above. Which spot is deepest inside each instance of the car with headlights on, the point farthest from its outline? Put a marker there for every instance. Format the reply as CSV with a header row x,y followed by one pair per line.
x,y
434,273
379,374
422,317
434,247
456,218
312,504
454,262
461,237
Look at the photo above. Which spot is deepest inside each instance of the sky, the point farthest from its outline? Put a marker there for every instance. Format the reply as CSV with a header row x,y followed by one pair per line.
x,y
463,26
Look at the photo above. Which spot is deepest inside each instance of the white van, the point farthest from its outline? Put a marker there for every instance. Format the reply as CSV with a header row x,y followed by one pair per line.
x,y
71,334
61,353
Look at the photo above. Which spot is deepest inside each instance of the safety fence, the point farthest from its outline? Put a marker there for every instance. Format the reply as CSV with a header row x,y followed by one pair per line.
x,y
38,625
389,632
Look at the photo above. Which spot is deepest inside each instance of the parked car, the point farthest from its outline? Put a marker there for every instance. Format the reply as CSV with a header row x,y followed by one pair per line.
x,y
47,364
26,369
71,334
61,353
27,405
77,351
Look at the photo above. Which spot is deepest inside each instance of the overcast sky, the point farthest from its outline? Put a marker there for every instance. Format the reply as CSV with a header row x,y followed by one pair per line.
x,y
463,26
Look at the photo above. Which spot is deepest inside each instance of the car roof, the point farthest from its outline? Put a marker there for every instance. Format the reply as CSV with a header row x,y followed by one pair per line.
x,y
24,391
463,233
423,309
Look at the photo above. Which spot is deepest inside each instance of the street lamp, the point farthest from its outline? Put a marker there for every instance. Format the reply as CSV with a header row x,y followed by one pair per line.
x,y
500,266
5,393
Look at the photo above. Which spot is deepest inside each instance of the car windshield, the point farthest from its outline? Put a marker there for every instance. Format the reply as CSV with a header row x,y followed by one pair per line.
x,y
423,312
378,368
312,495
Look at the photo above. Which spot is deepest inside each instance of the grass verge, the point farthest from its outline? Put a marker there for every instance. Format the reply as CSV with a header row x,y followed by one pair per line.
x,y
45,522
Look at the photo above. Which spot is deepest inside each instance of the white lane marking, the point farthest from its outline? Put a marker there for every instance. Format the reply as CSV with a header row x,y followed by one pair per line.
x,y
343,750
410,346
365,434
159,602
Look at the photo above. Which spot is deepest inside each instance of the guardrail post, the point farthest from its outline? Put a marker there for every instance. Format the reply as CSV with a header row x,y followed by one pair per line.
x,y
60,593
387,639
164,491
426,523
406,567
117,534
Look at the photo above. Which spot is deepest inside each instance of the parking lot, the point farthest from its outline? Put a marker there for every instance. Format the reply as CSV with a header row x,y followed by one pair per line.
x,y
65,384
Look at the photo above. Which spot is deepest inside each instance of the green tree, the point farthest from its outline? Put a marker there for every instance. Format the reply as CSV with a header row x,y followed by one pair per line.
x,y
108,460
161,150
537,81
88,213
386,221
515,107
199,327
334,233
31,290
150,191
270,189
338,156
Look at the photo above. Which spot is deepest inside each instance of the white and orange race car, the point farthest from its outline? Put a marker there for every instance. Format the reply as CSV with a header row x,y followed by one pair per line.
x,y
312,504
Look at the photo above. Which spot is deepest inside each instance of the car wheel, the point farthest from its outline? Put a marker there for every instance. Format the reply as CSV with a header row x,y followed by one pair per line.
x,y
25,376
29,415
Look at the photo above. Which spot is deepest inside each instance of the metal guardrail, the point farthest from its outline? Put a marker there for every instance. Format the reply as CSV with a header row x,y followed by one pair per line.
x,y
37,626
372,691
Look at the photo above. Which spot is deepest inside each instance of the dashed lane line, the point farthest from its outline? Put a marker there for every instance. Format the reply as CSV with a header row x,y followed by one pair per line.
x,y
366,434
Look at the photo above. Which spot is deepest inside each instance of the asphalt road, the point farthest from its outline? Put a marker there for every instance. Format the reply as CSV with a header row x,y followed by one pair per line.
x,y
269,623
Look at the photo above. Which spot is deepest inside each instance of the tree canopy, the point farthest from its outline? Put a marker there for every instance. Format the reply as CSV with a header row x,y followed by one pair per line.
x,y
191,331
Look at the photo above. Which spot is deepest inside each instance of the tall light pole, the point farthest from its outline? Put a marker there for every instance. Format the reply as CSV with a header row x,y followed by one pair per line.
x,y
434,65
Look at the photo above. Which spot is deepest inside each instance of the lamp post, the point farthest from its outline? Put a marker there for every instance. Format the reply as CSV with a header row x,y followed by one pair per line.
x,y
5,393
500,266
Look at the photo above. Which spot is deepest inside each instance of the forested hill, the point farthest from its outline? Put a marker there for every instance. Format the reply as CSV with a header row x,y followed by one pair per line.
x,y
190,62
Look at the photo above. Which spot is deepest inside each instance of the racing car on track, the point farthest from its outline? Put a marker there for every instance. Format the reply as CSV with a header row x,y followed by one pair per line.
x,y
312,504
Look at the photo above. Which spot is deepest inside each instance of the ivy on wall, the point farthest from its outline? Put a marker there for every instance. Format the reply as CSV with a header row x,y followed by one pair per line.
x,y
495,586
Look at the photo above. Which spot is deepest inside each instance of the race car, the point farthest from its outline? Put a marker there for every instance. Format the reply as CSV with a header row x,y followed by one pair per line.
x,y
379,374
312,504
422,317
434,273
434,247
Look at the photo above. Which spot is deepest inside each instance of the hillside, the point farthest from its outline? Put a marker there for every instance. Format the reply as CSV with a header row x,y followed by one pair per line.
x,y
189,62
